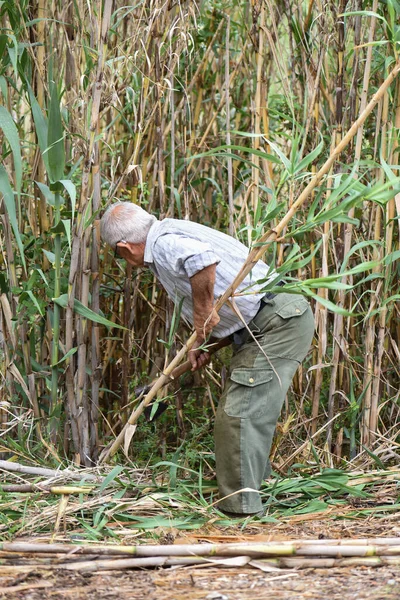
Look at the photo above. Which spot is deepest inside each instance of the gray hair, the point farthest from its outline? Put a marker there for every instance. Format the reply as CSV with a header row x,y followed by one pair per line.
x,y
125,221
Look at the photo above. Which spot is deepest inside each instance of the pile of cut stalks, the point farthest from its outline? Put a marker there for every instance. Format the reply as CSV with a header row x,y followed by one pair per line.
x,y
17,557
39,508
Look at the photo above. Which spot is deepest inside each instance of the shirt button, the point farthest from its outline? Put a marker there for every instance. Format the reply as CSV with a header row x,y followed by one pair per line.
x,y
251,380
297,310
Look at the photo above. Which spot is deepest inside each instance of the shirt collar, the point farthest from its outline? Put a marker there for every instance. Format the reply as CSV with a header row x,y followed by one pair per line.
x,y
148,249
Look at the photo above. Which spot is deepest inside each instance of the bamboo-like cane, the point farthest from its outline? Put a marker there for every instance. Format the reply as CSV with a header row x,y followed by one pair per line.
x,y
343,547
255,255
228,131
255,171
30,488
239,561
57,313
323,563
377,324
18,468
281,555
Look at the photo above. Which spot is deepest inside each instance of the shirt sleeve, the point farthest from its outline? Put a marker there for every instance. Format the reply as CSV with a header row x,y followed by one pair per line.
x,y
183,255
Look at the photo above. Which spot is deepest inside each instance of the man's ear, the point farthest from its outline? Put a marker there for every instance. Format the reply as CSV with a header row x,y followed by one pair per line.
x,y
128,245
123,249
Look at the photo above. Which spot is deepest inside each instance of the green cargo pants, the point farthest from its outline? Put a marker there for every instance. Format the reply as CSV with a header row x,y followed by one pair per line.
x,y
252,400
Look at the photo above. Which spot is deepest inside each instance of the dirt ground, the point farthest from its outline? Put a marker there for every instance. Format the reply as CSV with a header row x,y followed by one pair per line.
x,y
210,583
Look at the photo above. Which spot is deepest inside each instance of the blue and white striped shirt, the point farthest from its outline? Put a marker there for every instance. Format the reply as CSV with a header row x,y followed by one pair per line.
x,y
176,250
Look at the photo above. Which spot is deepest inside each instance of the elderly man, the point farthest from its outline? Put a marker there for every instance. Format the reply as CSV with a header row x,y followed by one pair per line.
x,y
271,335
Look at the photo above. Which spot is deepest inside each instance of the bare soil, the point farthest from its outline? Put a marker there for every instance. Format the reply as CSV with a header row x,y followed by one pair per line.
x,y
209,584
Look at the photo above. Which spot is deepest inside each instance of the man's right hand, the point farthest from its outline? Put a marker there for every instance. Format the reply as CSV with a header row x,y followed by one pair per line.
x,y
197,357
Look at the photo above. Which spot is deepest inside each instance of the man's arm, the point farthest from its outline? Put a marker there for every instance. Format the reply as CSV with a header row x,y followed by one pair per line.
x,y
204,317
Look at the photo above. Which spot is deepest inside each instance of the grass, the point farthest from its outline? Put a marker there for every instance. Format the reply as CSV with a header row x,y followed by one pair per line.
x,y
145,504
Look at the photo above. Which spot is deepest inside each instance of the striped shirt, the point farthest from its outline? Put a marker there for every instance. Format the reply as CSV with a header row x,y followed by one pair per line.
x,y
176,250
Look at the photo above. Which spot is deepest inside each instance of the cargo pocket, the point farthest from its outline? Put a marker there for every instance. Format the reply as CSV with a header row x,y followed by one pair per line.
x,y
247,394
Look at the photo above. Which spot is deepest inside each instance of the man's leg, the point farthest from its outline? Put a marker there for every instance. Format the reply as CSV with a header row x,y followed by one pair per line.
x,y
250,406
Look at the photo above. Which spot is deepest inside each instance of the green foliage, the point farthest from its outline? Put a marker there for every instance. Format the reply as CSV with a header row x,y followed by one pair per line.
x,y
55,138
61,167
183,503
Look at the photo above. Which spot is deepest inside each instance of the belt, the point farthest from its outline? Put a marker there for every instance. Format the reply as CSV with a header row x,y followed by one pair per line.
x,y
268,296
240,337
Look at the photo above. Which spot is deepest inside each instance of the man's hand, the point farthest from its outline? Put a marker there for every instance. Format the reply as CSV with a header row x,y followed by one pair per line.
x,y
198,358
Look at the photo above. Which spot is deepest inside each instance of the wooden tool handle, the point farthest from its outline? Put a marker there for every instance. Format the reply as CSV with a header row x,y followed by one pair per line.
x,y
184,367
187,365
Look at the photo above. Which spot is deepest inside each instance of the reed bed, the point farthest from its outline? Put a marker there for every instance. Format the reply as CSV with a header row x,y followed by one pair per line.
x,y
231,115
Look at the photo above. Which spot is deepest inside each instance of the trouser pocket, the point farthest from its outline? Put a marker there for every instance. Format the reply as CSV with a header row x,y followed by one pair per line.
x,y
247,393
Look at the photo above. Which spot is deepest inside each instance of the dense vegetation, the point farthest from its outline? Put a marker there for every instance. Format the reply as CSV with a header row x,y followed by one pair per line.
x,y
221,113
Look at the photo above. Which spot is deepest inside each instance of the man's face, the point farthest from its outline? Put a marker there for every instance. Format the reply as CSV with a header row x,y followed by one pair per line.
x,y
132,253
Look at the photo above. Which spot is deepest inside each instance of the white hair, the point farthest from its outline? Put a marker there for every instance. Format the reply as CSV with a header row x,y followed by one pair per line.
x,y
125,221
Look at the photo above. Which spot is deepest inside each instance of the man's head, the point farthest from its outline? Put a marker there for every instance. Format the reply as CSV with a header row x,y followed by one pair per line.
x,y
124,226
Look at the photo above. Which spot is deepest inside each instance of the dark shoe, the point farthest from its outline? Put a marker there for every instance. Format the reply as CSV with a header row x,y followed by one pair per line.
x,y
234,515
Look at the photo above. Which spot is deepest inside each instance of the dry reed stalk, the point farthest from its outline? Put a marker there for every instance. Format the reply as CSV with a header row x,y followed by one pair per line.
x,y
374,383
255,170
331,547
30,488
44,223
18,468
314,557
6,360
338,318
321,312
239,561
370,329
158,123
129,563
95,293
324,563
370,342
172,143
254,255
231,207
